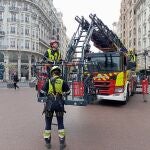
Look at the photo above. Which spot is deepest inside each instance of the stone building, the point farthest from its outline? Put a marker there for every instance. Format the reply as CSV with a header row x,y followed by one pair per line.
x,y
26,27
127,23
142,9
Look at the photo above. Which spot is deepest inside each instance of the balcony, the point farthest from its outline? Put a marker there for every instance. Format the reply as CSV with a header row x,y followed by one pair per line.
x,y
2,33
13,9
26,9
2,8
12,20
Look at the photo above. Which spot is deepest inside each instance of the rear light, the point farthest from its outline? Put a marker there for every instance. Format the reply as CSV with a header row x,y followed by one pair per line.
x,y
119,89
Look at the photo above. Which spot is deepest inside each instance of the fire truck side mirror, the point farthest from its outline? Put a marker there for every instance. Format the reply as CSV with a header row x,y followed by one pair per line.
x,y
125,61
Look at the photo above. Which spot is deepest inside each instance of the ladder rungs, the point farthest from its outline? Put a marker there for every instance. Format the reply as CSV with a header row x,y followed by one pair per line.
x,y
81,41
77,52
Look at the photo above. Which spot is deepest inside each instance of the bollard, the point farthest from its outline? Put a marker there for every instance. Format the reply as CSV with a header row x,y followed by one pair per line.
x,y
145,89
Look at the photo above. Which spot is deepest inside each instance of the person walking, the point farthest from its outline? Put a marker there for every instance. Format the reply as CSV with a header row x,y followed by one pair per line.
x,y
54,88
15,80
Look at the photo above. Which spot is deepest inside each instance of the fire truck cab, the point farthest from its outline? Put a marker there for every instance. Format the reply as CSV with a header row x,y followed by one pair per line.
x,y
113,75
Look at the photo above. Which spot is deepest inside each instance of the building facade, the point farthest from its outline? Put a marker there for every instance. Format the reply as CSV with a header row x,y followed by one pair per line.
x,y
127,23
26,27
142,9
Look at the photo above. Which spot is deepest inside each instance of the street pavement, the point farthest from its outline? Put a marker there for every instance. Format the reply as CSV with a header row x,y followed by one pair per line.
x,y
104,126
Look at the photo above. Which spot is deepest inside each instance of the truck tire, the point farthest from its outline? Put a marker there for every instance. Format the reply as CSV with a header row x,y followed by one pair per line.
x,y
127,98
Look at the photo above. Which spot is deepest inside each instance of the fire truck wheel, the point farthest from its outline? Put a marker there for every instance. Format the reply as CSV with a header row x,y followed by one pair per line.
x,y
127,98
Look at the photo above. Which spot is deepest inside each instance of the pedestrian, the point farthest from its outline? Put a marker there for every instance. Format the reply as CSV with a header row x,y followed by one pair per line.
x,y
55,88
15,80
145,88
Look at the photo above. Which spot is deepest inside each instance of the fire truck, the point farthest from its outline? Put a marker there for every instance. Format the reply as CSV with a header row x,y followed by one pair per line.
x,y
106,75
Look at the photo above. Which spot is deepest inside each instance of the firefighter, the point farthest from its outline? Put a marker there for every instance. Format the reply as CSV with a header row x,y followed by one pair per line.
x,y
53,54
132,55
55,88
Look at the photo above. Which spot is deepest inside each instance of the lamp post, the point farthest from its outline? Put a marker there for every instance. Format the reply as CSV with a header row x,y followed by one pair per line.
x,y
145,54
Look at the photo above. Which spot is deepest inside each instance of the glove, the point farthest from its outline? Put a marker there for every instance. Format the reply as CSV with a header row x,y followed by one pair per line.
x,y
42,93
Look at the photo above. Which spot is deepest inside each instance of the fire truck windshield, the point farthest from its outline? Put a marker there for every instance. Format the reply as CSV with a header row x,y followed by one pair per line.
x,y
105,63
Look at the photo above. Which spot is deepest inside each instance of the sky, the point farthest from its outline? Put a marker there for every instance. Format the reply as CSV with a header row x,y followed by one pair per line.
x,y
107,10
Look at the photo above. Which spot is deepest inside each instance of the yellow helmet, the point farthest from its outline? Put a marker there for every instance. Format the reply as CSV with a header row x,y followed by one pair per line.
x,y
55,68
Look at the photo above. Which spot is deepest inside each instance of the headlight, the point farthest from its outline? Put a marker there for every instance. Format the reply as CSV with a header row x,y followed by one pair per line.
x,y
119,90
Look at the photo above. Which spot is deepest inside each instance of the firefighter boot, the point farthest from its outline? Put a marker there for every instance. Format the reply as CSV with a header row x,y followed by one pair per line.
x,y
62,143
48,143
62,139
47,138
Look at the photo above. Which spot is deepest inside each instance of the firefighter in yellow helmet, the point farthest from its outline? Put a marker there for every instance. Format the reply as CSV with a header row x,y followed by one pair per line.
x,y
53,53
55,88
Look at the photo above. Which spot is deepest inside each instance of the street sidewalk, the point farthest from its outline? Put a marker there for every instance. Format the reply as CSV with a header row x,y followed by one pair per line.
x,y
20,84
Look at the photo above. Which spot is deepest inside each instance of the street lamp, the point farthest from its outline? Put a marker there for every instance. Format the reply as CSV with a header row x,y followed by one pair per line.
x,y
145,54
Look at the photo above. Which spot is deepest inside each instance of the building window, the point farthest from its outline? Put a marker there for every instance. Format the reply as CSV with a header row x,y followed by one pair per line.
x,y
144,42
58,37
22,43
1,16
134,31
33,33
139,44
24,58
134,42
37,34
130,33
33,46
27,18
130,43
26,7
1,57
13,17
57,30
130,13
53,31
13,4
27,32
144,29
37,46
22,31
12,43
27,44
13,58
22,17
12,29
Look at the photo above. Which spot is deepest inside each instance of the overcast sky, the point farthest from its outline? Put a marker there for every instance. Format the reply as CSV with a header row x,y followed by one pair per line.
x,y
107,10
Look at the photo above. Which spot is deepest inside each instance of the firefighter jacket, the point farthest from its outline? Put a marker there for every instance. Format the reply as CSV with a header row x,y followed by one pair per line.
x,y
52,55
60,86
